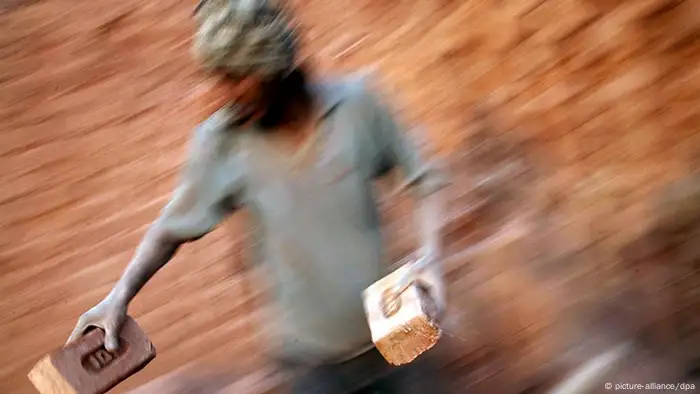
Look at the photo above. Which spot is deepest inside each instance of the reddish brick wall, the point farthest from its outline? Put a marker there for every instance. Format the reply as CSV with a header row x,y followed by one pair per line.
x,y
98,100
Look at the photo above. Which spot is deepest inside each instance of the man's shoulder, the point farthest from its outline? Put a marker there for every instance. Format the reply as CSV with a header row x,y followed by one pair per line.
x,y
215,133
215,124
356,87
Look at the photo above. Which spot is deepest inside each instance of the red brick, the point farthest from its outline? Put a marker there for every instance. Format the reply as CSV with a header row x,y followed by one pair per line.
x,y
85,367
678,27
530,59
632,79
500,31
553,21
520,8
640,9
608,38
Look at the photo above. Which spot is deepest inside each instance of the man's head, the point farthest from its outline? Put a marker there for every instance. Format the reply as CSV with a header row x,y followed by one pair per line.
x,y
251,46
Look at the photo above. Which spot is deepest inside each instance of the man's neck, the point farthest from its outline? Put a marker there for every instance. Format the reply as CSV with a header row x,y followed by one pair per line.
x,y
288,113
290,103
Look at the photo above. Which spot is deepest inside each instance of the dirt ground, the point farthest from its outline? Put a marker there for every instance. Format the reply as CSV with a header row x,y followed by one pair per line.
x,y
98,99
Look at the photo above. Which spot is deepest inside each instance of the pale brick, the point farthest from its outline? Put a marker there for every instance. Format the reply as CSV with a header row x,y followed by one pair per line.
x,y
636,109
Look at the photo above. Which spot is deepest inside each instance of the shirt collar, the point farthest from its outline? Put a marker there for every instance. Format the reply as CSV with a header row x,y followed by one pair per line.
x,y
328,95
332,92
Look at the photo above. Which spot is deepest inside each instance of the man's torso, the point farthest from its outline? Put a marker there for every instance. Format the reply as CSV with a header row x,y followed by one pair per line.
x,y
317,230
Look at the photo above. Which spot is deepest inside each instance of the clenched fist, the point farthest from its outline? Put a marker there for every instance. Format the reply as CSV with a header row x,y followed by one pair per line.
x,y
109,315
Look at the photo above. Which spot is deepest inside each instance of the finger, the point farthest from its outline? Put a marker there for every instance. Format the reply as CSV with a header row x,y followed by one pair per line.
x,y
112,338
427,288
77,331
434,304
431,284
111,342
430,308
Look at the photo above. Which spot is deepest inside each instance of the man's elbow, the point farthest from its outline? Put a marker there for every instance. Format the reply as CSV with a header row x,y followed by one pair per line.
x,y
176,230
159,234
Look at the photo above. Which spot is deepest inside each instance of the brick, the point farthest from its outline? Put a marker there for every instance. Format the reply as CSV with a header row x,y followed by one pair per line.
x,y
640,9
551,97
520,8
553,21
401,329
532,59
632,79
500,32
85,367
679,204
678,27
682,86
609,37
640,141
683,117
12,5
606,6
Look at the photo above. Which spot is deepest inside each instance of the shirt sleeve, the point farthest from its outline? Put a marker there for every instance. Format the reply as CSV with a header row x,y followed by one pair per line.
x,y
209,190
395,148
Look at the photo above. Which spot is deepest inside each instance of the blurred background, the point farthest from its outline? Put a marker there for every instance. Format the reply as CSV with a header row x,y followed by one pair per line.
x,y
570,123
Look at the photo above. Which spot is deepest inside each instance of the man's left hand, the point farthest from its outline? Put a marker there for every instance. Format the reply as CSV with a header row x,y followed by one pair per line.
x,y
431,282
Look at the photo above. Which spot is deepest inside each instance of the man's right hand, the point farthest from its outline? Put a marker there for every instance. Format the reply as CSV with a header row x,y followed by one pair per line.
x,y
109,315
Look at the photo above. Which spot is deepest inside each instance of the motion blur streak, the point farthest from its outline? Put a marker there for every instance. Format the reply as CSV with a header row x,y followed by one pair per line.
x,y
587,138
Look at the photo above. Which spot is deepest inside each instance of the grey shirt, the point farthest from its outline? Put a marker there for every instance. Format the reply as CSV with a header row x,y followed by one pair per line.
x,y
317,229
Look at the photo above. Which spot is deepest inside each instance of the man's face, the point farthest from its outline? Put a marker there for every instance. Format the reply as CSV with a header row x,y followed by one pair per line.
x,y
246,93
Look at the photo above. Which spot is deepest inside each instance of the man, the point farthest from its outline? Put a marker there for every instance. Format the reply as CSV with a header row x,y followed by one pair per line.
x,y
301,156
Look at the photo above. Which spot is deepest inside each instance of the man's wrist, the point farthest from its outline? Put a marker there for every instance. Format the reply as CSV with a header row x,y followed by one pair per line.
x,y
431,252
119,295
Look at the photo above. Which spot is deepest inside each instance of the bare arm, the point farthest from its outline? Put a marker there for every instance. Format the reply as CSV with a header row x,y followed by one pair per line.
x,y
155,250
152,254
428,218
203,198
426,182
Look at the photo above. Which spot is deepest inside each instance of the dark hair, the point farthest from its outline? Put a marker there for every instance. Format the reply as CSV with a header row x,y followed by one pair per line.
x,y
286,97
